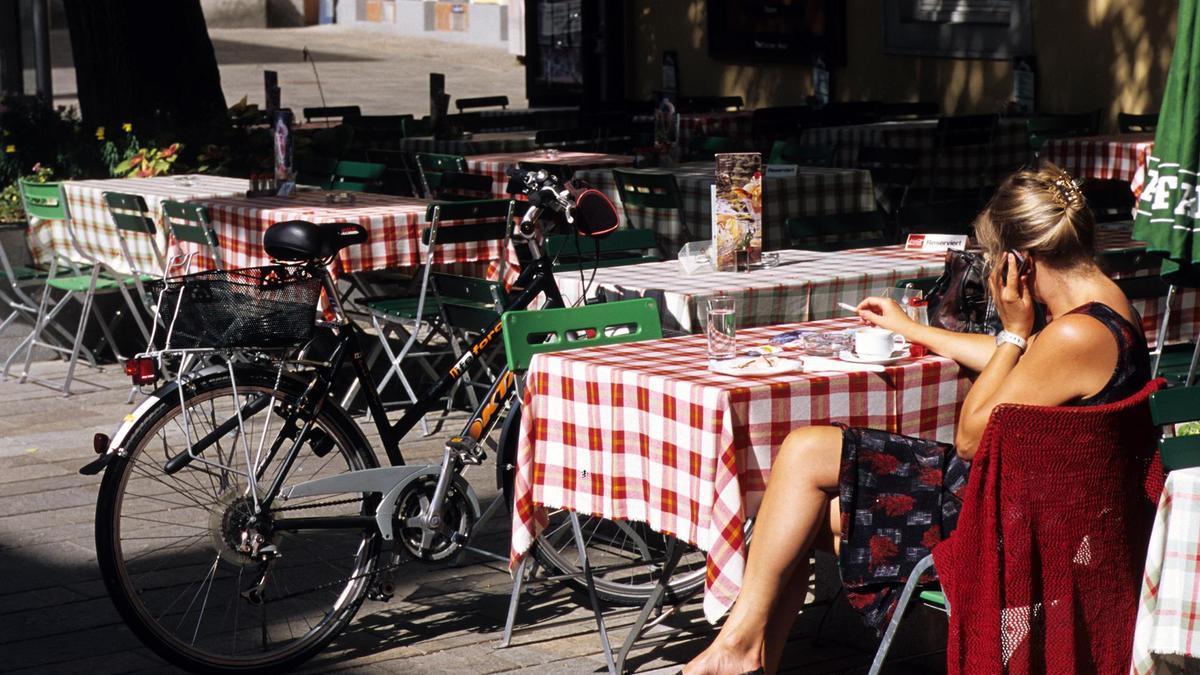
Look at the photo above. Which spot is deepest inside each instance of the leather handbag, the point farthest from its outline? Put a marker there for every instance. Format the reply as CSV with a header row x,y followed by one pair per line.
x,y
959,300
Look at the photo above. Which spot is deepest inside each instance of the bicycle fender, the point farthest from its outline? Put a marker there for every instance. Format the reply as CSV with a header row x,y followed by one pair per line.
x,y
116,443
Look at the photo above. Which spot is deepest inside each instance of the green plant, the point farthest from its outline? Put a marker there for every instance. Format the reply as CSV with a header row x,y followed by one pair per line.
x,y
147,162
11,208
1188,429
32,132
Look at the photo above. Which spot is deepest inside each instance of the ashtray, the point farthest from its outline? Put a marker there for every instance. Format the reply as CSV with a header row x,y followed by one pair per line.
x,y
340,197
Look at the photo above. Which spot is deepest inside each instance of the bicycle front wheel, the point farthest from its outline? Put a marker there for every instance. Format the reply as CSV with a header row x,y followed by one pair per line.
x,y
193,561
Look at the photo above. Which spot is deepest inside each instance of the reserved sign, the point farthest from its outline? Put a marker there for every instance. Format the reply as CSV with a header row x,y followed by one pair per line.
x,y
936,242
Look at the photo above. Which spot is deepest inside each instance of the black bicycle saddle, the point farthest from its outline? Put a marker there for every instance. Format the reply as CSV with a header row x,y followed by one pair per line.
x,y
301,241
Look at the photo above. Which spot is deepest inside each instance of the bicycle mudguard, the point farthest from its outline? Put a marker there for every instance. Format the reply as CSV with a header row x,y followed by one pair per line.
x,y
116,441
506,452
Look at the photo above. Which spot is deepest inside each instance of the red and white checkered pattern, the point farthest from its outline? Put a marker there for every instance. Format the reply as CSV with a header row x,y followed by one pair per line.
x,y
94,228
812,191
1168,620
477,144
497,165
960,168
1119,156
393,224
645,432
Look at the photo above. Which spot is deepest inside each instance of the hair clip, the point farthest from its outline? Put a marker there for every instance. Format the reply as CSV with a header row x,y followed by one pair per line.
x,y
1065,192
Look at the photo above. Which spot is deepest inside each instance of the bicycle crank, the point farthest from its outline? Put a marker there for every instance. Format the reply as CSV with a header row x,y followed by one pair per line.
x,y
434,537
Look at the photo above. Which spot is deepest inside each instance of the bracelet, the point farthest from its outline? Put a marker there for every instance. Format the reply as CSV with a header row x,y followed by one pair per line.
x,y
1011,338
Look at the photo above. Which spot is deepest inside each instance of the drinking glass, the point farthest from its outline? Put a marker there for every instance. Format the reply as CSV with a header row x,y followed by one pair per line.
x,y
722,328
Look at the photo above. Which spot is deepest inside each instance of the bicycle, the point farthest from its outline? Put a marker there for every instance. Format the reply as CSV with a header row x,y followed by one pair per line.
x,y
243,513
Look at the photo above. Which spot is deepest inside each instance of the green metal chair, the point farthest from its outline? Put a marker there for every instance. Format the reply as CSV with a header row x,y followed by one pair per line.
x,y
448,310
432,166
795,152
189,222
358,176
837,232
1042,128
652,190
621,247
531,332
1177,405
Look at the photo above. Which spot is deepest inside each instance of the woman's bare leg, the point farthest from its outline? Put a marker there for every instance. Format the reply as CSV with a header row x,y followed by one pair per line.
x,y
803,475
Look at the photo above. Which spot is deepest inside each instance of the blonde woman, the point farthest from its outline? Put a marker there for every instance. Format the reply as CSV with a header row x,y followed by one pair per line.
x,y
890,496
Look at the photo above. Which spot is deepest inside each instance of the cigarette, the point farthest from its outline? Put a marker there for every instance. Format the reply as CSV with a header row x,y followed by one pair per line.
x,y
848,308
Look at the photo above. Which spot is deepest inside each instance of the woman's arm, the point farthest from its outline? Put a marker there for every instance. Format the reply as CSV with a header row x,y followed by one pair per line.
x,y
969,350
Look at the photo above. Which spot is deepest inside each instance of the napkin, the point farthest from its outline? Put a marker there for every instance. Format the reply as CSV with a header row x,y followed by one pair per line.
x,y
818,364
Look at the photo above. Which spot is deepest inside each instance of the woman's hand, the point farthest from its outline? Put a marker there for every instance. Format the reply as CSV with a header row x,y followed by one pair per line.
x,y
1012,297
885,313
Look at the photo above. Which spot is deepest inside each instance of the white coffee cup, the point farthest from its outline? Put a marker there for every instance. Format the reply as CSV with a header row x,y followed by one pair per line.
x,y
877,343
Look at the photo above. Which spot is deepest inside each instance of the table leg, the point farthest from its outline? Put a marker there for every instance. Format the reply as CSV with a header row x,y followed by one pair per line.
x,y
591,587
515,600
674,553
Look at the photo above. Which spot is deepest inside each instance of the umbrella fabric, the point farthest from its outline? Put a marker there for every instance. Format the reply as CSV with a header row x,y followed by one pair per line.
x,y
1168,212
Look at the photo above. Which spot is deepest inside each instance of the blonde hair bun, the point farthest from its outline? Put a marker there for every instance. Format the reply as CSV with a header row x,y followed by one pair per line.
x,y
1042,212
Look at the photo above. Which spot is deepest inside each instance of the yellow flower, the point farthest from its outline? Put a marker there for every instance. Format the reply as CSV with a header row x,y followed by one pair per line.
x,y
99,133
127,127
10,149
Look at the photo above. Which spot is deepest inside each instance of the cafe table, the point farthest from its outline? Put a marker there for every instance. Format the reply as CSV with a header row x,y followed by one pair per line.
x,y
645,432
393,225
1112,156
497,165
960,168
812,191
93,225
1168,619
487,142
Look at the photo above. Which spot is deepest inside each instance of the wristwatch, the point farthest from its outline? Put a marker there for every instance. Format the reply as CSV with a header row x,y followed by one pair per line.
x,y
1011,338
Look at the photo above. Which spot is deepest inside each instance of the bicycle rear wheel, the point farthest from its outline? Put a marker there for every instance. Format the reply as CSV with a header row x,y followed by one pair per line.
x,y
180,554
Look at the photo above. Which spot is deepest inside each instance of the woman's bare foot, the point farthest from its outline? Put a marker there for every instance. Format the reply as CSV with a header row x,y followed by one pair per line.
x,y
722,659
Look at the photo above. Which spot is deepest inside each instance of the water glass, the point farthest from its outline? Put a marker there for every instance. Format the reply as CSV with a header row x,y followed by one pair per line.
x,y
722,328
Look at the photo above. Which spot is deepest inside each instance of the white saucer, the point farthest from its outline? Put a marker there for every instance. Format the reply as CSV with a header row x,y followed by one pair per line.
x,y
897,355
736,366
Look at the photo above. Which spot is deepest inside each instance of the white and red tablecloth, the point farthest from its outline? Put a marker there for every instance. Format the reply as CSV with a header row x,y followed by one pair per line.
x,y
812,191
393,224
959,168
94,228
1168,620
481,143
497,165
645,432
1119,156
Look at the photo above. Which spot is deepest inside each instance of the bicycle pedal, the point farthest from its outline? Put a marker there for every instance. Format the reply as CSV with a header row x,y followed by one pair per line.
x,y
467,448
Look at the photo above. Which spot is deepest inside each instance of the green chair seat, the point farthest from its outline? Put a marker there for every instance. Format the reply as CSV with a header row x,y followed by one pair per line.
x,y
937,598
23,273
404,308
79,283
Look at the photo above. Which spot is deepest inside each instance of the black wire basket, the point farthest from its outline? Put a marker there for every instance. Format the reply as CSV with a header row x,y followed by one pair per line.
x,y
269,307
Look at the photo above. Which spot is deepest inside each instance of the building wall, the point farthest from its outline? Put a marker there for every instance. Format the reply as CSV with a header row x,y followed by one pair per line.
x,y
480,22
1108,54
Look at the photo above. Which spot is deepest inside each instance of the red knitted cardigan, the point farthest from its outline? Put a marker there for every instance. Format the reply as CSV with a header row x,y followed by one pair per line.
x,y
1044,568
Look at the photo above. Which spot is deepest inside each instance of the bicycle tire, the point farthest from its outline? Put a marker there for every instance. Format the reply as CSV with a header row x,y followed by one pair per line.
x,y
619,580
139,592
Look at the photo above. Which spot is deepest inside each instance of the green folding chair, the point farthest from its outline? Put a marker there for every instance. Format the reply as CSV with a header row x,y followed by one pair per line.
x,y
189,222
1178,405
837,232
432,166
655,191
621,247
358,176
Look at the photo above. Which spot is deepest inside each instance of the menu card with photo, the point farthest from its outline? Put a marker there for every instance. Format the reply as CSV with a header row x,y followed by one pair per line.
x,y
666,131
282,132
737,211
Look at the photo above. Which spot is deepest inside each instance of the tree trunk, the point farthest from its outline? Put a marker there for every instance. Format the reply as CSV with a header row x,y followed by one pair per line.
x,y
147,62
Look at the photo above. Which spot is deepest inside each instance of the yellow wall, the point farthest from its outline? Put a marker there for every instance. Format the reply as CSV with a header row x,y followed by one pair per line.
x,y
1109,54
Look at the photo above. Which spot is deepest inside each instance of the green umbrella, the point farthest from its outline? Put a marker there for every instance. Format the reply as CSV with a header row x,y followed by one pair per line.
x,y
1168,212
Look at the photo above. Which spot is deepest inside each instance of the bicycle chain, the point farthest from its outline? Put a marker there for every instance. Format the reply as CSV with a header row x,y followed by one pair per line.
x,y
301,507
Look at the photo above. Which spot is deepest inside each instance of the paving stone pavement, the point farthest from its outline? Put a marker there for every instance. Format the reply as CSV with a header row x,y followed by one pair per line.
x,y
56,618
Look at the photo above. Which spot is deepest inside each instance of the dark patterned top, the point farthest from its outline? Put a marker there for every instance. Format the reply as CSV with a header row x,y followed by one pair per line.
x,y
899,496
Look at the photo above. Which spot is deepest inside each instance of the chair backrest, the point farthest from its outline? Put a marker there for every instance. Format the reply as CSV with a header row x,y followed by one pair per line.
x,y
837,232
189,222
468,303
44,201
620,247
641,189
344,112
1129,123
1044,127
400,175
492,218
794,152
552,330
1178,405
966,130
481,102
358,176
431,167
130,213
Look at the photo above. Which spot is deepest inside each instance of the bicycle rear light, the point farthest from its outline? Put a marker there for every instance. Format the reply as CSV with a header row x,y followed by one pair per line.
x,y
142,370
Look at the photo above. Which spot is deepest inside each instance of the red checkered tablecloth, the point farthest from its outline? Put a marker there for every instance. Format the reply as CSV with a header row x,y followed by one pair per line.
x,y
477,144
645,432
94,227
812,191
393,224
497,165
1168,619
1120,156
961,167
